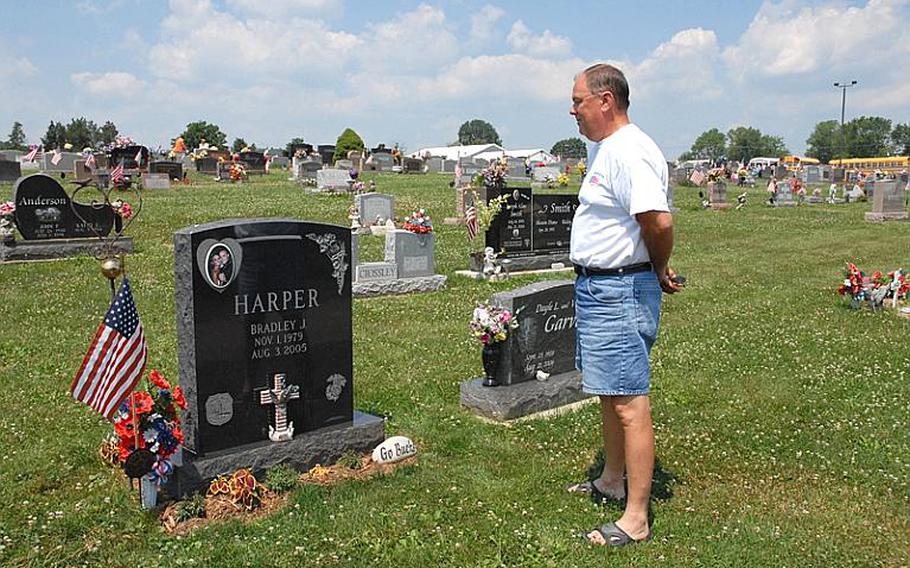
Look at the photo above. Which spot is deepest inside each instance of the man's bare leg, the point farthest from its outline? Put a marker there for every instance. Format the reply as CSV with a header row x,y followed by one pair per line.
x,y
611,478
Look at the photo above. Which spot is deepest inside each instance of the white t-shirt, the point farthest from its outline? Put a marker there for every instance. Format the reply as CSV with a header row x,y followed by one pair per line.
x,y
627,175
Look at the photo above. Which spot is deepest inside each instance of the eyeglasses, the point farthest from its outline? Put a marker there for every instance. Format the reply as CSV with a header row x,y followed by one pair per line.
x,y
578,103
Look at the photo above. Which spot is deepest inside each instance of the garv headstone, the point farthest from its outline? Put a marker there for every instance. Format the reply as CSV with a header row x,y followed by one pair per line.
x,y
545,338
256,299
44,211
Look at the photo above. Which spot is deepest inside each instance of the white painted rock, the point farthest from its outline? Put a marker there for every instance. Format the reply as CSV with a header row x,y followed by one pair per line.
x,y
394,449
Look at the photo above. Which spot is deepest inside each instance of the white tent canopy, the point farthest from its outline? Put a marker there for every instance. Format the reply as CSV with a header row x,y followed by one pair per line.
x,y
486,152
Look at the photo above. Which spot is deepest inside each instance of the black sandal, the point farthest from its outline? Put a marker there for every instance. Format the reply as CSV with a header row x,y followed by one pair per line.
x,y
615,536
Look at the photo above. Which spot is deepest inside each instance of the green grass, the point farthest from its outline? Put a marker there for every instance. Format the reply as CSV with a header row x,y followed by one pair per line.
x,y
783,429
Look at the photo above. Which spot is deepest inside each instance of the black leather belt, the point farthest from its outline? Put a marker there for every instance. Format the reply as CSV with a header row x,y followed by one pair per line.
x,y
629,269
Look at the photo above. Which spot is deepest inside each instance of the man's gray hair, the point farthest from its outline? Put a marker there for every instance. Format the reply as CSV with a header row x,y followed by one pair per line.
x,y
602,77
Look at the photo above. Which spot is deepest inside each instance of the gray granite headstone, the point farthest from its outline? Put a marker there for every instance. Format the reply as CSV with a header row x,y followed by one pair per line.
x,y
435,165
888,201
66,164
412,166
413,254
372,204
344,164
333,179
306,168
448,166
382,161
544,174
369,271
156,181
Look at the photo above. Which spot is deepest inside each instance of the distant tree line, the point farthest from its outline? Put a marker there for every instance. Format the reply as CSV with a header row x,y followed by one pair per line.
x,y
863,137
80,132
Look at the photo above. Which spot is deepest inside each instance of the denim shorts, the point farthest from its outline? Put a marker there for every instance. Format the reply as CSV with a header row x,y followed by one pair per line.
x,y
616,325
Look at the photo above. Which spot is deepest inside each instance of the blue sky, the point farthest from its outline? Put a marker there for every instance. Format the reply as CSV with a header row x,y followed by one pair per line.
x,y
411,72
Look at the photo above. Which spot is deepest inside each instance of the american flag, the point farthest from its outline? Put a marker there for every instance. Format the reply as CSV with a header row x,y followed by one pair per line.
x,y
697,177
90,161
458,172
30,157
57,157
116,358
117,173
139,158
470,221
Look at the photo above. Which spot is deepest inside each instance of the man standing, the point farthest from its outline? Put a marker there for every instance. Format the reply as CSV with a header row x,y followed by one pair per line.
x,y
622,236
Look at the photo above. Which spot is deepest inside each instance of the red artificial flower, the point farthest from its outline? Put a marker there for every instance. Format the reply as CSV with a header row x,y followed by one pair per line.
x,y
124,429
142,402
178,398
158,380
178,434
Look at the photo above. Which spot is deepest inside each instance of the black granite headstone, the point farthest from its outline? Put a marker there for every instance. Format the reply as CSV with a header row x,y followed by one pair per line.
x,y
327,153
553,216
127,156
174,170
9,170
43,211
255,162
207,165
531,224
256,298
545,338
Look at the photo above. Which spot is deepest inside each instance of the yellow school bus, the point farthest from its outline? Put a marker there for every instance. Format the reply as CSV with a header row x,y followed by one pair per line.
x,y
793,163
885,164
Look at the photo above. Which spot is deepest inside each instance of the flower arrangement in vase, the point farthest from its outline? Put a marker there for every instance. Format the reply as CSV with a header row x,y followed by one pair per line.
x,y
418,222
492,326
7,226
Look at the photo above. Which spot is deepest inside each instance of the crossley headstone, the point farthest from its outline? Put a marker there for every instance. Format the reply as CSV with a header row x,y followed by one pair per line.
x,y
332,179
413,253
44,211
260,303
10,171
369,271
373,205
174,170
888,202
536,368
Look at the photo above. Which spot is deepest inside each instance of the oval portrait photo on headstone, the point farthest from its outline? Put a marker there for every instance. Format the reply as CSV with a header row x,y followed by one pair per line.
x,y
219,262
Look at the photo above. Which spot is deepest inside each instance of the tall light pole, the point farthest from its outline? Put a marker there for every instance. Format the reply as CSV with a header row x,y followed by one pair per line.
x,y
843,86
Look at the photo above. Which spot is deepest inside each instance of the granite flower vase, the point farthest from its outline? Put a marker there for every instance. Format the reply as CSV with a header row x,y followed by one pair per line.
x,y
490,355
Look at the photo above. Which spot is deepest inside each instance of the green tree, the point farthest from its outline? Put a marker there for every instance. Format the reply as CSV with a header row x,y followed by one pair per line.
x,y
711,145
81,133
745,143
16,140
55,137
900,139
570,148
868,136
478,132
825,142
347,141
107,134
238,145
197,131
293,145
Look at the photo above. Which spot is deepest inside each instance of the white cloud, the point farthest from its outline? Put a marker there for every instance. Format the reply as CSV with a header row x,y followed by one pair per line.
x,y
201,43
421,37
115,83
483,23
546,44
684,65
275,8
791,39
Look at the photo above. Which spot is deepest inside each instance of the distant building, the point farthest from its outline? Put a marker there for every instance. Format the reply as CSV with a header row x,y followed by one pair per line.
x,y
484,152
